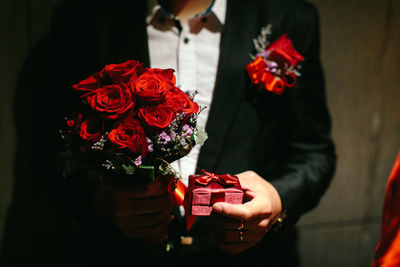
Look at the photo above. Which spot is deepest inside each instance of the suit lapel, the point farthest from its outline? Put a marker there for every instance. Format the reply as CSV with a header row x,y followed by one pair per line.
x,y
236,44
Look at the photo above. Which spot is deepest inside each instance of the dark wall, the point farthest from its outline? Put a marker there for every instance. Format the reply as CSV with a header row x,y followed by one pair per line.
x,y
22,22
360,54
360,41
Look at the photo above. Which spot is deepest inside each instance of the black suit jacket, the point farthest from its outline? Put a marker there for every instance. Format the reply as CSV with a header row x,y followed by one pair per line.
x,y
284,138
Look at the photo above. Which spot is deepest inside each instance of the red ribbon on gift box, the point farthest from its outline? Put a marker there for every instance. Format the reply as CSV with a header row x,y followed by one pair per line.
x,y
224,179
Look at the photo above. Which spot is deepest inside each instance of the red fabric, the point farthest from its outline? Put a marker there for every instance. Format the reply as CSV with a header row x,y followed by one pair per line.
x,y
388,249
256,70
283,51
179,197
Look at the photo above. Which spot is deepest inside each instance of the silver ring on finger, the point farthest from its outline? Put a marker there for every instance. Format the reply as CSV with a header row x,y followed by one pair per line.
x,y
241,226
241,236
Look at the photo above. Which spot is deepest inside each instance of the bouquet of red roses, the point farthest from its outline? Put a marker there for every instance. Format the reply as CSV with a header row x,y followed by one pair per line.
x,y
130,119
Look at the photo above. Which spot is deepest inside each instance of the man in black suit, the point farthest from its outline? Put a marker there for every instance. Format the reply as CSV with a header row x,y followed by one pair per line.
x,y
280,144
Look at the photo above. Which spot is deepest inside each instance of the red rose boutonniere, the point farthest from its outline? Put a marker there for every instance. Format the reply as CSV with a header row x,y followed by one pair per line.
x,y
274,65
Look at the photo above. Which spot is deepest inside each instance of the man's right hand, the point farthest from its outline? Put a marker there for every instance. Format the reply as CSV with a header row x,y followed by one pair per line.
x,y
141,211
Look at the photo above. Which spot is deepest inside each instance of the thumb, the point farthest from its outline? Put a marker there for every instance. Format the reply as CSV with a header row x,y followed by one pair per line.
x,y
247,211
235,211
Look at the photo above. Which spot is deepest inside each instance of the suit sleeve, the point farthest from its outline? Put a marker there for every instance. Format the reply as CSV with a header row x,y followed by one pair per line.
x,y
309,167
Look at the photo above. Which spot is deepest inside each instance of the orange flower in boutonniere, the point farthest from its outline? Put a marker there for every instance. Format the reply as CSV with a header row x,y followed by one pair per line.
x,y
274,65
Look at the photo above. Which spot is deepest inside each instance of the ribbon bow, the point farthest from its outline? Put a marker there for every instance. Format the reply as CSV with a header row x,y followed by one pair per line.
x,y
225,179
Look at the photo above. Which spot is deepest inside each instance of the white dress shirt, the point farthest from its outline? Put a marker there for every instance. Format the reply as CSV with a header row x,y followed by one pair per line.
x,y
192,50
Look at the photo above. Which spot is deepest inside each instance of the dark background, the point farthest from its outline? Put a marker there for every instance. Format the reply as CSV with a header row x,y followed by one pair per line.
x,y
361,58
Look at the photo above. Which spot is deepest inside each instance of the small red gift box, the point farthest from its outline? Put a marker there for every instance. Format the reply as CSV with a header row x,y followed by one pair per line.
x,y
205,190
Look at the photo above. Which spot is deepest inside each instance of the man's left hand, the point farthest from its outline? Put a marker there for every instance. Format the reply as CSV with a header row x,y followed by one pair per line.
x,y
241,226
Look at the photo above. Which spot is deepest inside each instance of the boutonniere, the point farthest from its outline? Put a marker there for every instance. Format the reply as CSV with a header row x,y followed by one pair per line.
x,y
275,65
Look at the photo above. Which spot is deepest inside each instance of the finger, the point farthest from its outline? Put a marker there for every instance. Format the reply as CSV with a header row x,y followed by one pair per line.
x,y
235,211
143,206
133,223
159,230
257,207
252,231
261,226
248,195
143,220
225,222
244,178
234,236
232,248
222,222
149,231
142,190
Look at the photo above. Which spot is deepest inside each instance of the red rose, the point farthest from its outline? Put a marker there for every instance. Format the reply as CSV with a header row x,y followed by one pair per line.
x,y
154,83
91,129
111,101
123,72
89,84
282,51
128,133
111,74
157,116
180,102
168,75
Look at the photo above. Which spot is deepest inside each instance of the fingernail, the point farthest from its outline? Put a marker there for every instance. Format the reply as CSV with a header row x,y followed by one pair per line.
x,y
217,207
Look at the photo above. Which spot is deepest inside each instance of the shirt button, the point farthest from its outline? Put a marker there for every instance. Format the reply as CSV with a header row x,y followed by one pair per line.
x,y
186,40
